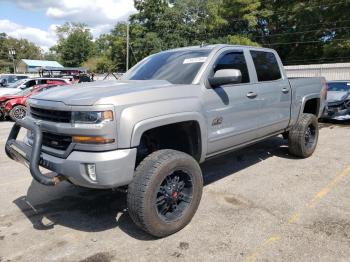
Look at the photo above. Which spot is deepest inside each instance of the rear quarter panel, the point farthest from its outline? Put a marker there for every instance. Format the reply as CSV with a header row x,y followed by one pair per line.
x,y
304,89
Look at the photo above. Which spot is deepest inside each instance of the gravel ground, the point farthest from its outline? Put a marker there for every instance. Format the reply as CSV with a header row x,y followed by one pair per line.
x,y
259,204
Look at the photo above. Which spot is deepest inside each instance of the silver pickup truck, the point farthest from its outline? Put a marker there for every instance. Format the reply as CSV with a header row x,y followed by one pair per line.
x,y
149,131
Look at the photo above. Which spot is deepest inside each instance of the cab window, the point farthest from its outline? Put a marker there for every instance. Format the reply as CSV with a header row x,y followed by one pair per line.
x,y
234,60
266,66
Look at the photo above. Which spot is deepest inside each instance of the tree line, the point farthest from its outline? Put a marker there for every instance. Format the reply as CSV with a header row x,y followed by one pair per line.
x,y
303,32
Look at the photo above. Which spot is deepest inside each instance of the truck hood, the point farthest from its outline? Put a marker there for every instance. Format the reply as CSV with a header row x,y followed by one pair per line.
x,y
337,96
98,92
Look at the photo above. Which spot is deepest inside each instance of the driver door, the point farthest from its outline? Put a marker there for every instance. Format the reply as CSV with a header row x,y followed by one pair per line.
x,y
232,111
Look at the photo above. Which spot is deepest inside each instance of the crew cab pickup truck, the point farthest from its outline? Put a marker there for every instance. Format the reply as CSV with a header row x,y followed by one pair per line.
x,y
149,131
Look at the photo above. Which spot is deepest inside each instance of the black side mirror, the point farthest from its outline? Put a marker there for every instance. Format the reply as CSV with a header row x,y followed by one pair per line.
x,y
225,77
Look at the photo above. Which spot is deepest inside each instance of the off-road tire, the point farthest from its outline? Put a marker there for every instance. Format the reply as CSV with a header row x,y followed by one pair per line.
x,y
297,136
142,192
15,109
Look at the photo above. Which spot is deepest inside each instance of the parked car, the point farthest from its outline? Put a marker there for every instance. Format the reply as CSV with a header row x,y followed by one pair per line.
x,y
14,106
173,110
6,80
338,101
28,83
3,100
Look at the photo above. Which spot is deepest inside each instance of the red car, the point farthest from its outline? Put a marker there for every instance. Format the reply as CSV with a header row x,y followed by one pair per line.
x,y
15,105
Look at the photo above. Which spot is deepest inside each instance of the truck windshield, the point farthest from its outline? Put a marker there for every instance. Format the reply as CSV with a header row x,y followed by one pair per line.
x,y
177,67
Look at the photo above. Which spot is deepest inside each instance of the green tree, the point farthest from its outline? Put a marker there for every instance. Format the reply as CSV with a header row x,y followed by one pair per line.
x,y
75,44
23,50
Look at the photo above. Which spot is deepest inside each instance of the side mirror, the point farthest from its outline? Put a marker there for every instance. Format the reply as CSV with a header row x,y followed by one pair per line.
x,y
225,77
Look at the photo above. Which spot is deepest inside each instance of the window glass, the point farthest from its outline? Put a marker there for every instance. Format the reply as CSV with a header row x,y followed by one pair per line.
x,y
177,67
234,60
30,83
339,86
266,66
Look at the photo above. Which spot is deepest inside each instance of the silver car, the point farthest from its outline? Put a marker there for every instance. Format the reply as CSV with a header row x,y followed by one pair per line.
x,y
338,100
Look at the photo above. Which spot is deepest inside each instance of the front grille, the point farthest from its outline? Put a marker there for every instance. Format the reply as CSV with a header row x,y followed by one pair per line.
x,y
51,115
56,141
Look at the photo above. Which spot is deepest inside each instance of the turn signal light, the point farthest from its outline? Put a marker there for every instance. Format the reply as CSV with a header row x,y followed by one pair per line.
x,y
92,140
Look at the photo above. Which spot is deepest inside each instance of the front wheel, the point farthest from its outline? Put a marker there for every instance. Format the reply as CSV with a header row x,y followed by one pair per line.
x,y
18,112
165,192
304,136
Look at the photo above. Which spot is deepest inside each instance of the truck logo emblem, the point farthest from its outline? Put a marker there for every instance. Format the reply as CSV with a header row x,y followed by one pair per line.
x,y
217,121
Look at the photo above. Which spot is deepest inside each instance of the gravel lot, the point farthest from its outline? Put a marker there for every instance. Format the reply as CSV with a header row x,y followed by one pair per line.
x,y
259,204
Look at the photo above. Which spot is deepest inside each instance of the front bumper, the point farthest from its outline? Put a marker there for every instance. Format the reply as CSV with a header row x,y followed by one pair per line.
x,y
113,168
336,113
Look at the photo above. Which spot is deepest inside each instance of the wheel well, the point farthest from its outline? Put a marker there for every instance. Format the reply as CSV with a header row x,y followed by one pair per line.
x,y
183,136
312,106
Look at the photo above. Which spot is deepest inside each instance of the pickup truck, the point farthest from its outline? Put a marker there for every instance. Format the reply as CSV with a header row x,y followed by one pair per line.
x,y
148,132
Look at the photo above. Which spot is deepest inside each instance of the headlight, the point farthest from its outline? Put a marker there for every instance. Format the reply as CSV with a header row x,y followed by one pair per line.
x,y
92,117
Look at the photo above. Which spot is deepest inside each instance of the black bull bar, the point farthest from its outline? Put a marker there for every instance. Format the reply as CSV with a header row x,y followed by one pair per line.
x,y
23,153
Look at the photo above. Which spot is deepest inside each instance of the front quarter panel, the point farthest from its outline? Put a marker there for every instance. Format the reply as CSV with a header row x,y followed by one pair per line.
x,y
135,120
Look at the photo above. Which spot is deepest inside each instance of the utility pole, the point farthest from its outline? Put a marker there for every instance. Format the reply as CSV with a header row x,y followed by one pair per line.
x,y
12,52
127,46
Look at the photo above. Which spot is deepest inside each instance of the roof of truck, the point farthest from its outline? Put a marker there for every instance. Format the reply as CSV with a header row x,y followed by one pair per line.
x,y
218,46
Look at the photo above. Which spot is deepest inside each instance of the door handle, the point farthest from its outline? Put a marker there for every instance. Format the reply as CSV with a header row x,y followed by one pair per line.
x,y
252,95
285,90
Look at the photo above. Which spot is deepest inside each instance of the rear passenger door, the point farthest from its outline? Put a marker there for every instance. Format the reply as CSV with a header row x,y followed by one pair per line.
x,y
274,93
232,114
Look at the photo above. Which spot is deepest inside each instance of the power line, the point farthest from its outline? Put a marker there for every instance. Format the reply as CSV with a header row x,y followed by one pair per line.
x,y
308,7
286,12
320,23
308,42
317,59
303,32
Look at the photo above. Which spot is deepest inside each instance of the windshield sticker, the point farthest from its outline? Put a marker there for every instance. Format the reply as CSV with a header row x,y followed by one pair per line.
x,y
195,60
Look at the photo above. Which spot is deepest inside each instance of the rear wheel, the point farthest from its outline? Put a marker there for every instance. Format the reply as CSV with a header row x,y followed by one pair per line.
x,y
165,192
18,112
304,136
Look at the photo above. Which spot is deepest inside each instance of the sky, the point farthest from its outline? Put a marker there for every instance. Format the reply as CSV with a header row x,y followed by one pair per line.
x,y
36,20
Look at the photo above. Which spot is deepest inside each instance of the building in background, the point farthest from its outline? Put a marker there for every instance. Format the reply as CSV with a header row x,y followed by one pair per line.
x,y
339,71
34,66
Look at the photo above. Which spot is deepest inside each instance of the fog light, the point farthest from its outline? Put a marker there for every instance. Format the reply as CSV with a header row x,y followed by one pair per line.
x,y
91,170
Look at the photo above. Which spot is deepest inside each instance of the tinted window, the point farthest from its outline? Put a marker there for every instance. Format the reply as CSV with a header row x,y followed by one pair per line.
x,y
266,66
339,86
234,60
31,83
177,67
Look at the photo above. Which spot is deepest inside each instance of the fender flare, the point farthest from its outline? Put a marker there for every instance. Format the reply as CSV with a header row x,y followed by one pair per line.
x,y
141,127
307,98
